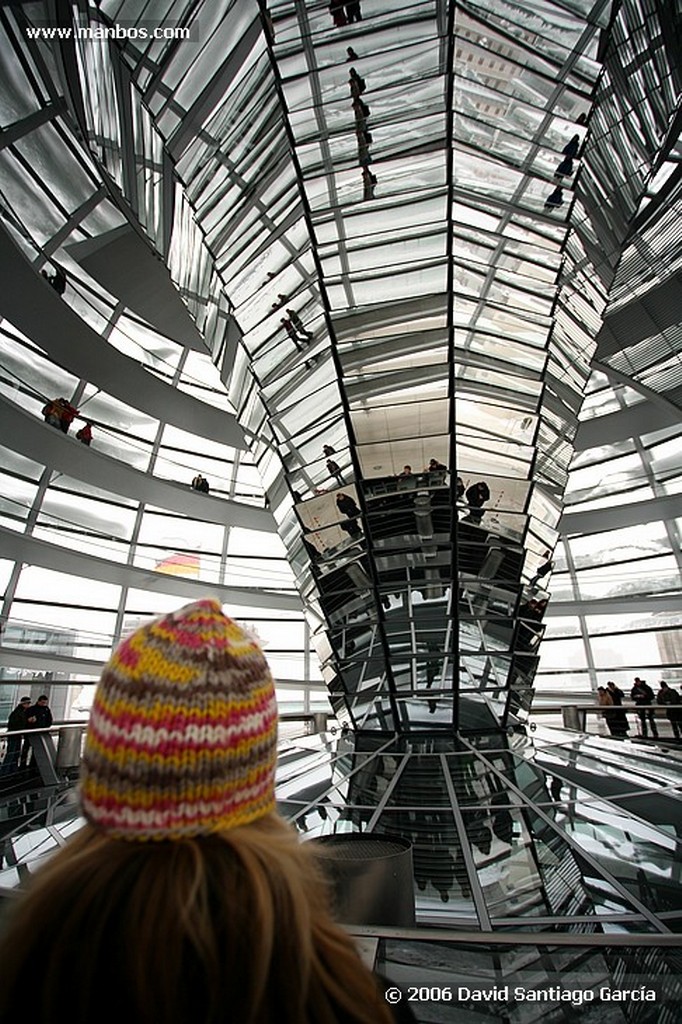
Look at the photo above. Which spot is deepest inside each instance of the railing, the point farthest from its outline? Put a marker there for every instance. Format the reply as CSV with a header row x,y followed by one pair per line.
x,y
55,763
589,717
450,976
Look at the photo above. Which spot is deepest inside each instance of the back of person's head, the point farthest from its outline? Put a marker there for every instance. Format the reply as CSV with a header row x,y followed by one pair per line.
x,y
184,897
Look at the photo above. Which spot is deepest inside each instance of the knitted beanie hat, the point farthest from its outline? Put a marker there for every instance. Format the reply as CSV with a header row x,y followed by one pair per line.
x,y
183,730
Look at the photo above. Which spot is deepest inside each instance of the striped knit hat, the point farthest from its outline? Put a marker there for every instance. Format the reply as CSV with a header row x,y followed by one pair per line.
x,y
183,730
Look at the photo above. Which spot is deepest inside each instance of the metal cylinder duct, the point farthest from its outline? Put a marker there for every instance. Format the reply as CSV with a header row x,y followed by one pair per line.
x,y
69,747
371,877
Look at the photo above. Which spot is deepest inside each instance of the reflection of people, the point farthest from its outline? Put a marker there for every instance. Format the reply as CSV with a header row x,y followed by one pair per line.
x,y
571,148
544,569
476,496
60,413
52,414
293,333
338,13
84,435
357,84
352,528
369,182
348,507
298,323
198,901
200,483
555,198
335,470
58,281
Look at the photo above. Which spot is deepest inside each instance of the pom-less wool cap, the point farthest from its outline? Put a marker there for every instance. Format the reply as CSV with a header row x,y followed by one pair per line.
x,y
183,730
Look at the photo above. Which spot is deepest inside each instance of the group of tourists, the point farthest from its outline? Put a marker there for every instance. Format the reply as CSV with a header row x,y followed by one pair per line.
x,y
60,413
611,697
25,717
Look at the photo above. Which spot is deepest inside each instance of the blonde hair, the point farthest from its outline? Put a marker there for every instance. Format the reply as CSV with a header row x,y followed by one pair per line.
x,y
227,927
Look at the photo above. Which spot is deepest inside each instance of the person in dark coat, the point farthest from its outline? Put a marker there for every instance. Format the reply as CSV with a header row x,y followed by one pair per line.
x,y
619,717
643,696
200,483
338,13
335,470
38,716
348,507
476,496
353,12
369,183
16,723
357,84
292,332
671,698
298,324
616,693
58,282
556,198
571,148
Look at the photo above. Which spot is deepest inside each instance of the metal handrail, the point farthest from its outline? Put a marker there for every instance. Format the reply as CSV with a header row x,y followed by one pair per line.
x,y
491,938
